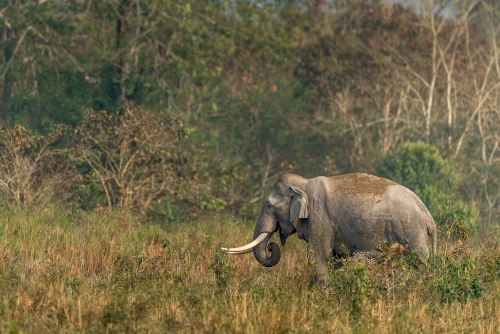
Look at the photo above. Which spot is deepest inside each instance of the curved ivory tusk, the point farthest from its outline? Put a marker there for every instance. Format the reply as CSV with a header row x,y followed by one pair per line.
x,y
240,252
247,248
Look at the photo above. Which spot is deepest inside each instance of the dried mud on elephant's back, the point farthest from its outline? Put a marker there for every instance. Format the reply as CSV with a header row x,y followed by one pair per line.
x,y
359,182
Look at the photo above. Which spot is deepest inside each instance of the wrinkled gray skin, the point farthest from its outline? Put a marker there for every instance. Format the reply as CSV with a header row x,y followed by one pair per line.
x,y
356,210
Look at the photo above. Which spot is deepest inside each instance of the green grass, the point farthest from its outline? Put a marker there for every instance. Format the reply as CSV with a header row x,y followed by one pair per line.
x,y
105,272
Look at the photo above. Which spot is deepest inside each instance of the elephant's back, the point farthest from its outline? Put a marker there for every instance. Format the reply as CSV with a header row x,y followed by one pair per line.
x,y
360,184
365,190
392,195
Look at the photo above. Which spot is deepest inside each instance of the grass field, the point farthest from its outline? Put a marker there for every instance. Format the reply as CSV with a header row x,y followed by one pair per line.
x,y
108,273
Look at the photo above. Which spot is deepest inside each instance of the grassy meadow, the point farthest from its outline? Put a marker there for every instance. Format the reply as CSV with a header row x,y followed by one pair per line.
x,y
106,272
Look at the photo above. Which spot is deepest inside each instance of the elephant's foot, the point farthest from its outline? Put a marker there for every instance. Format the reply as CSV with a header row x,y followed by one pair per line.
x,y
316,283
319,278
338,265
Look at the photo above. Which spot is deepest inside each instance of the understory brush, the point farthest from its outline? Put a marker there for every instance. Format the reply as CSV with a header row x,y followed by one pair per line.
x,y
106,272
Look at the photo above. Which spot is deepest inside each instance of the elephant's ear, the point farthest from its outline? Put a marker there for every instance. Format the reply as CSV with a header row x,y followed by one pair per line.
x,y
298,206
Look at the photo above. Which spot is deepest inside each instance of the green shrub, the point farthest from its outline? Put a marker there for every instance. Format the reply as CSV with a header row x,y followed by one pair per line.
x,y
223,268
457,280
358,298
489,257
435,180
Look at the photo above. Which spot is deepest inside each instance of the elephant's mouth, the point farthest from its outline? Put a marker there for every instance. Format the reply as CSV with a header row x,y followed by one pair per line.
x,y
284,232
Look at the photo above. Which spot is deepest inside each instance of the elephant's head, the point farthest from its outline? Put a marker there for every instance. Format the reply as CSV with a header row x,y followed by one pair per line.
x,y
280,211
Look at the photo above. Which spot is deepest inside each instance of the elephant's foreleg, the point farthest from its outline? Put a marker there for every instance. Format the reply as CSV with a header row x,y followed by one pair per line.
x,y
318,254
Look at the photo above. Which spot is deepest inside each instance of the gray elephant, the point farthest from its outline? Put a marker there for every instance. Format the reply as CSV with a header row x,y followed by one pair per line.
x,y
353,212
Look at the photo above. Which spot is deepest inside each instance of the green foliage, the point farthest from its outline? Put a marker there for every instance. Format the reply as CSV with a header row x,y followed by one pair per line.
x,y
223,268
169,210
457,280
490,257
359,296
115,311
61,58
434,179
10,328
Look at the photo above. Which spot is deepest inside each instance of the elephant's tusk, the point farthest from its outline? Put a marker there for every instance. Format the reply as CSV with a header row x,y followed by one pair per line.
x,y
240,252
247,248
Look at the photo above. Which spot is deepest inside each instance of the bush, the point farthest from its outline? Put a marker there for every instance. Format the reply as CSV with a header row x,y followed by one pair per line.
x,y
435,180
131,160
31,172
223,268
457,280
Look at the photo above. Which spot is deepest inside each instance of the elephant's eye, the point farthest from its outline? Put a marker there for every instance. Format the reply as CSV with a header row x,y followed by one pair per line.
x,y
268,205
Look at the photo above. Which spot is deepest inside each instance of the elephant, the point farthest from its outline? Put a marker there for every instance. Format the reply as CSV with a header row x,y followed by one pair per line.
x,y
351,213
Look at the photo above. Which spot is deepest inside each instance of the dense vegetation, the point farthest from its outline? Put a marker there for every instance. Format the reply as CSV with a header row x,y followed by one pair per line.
x,y
260,88
177,116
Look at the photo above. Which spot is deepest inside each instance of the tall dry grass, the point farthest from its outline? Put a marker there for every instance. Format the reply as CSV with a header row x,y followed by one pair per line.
x,y
105,272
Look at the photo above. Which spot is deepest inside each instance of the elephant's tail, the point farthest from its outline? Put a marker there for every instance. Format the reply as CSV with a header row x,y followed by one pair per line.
x,y
433,234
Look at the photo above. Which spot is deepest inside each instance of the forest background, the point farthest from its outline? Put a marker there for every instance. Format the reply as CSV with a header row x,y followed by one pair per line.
x,y
173,109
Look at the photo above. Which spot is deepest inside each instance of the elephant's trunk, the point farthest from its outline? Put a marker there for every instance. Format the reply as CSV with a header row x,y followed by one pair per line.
x,y
264,229
260,252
